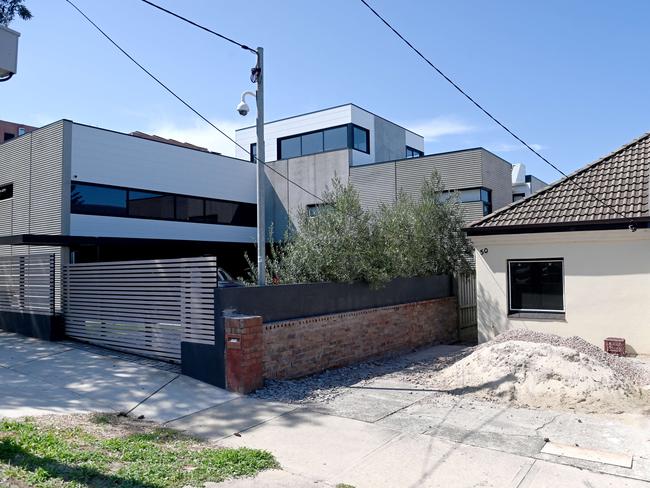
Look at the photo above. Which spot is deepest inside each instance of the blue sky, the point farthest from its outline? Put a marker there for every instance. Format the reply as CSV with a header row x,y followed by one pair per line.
x,y
569,76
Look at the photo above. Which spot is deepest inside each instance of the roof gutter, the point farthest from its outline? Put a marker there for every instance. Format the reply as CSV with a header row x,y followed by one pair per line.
x,y
610,224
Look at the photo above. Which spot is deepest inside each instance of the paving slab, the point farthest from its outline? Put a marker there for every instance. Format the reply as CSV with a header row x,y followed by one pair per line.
x,y
315,445
414,461
22,396
272,479
595,455
544,474
116,384
371,402
180,398
230,417
16,349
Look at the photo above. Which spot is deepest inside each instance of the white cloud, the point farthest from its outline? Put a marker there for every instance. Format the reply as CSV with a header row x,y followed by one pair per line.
x,y
437,127
505,147
200,133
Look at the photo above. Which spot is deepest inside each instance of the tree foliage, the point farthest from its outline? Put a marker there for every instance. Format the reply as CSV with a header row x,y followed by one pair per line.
x,y
10,8
344,242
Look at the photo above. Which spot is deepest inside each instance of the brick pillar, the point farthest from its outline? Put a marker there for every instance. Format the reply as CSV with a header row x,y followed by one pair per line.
x,y
244,353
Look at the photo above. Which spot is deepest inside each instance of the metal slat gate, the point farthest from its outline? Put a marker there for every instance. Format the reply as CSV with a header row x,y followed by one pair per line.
x,y
467,320
27,284
142,307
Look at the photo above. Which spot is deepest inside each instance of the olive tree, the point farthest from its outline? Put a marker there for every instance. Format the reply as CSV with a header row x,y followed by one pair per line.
x,y
10,8
343,242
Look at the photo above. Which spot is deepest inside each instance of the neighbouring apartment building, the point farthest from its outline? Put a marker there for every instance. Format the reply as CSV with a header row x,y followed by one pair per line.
x,y
524,185
90,194
379,157
10,130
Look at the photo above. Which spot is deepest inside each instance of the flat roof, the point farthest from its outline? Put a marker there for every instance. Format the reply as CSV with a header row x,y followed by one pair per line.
x,y
332,108
478,148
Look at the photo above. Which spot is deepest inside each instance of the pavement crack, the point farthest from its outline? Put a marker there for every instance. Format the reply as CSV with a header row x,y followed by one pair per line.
x,y
546,424
152,394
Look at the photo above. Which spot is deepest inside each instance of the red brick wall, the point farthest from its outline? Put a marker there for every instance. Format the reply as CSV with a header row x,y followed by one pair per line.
x,y
244,353
300,347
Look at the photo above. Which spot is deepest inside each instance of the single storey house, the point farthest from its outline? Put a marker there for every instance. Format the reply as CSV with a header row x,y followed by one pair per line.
x,y
573,258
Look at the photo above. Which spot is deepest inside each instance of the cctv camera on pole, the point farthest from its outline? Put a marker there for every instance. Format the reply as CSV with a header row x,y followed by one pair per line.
x,y
8,52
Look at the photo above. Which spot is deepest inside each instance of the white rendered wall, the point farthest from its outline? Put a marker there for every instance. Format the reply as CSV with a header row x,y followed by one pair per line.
x,y
111,158
101,226
606,284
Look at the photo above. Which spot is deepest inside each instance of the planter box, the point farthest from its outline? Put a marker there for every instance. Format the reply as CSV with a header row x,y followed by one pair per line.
x,y
8,51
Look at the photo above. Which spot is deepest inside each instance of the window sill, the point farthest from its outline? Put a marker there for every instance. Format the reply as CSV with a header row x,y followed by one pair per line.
x,y
538,315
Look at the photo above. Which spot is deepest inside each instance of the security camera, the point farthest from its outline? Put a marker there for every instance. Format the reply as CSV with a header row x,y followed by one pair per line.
x,y
243,109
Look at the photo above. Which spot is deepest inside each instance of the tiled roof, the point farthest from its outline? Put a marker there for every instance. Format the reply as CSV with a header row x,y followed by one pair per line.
x,y
618,188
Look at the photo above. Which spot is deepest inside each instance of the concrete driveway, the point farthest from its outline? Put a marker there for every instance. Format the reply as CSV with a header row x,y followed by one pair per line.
x,y
379,434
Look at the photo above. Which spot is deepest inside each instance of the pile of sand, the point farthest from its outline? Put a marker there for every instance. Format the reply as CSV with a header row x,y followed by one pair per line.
x,y
546,372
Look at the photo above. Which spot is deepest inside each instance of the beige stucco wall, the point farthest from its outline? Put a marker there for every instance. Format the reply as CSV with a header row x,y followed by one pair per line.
x,y
606,284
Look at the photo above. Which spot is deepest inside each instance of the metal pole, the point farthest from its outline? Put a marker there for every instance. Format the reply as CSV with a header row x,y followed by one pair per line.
x,y
261,226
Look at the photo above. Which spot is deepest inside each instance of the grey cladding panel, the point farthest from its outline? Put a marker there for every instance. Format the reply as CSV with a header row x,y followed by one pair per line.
x,y
375,183
457,170
497,175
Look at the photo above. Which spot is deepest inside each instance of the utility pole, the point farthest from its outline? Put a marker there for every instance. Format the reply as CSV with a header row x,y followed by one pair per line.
x,y
260,160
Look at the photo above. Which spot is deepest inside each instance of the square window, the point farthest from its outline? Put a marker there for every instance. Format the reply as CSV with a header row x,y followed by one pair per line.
x,y
6,191
189,209
150,205
312,143
290,148
336,138
536,286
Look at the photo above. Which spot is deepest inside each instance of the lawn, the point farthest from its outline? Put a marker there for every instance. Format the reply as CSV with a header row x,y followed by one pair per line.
x,y
110,451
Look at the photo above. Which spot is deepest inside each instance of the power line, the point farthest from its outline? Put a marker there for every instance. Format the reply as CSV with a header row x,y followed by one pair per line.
x,y
482,109
185,19
195,111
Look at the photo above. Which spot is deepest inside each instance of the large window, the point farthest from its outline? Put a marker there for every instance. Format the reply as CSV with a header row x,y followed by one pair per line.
x,y
6,191
536,285
469,195
98,200
93,199
413,153
345,136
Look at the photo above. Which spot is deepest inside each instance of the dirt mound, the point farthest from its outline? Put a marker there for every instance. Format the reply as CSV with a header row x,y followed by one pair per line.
x,y
546,373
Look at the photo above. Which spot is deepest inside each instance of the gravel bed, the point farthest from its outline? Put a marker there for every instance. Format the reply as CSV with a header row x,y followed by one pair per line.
x,y
324,387
624,367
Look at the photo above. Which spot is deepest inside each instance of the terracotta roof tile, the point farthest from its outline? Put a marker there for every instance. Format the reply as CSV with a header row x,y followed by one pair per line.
x,y
618,184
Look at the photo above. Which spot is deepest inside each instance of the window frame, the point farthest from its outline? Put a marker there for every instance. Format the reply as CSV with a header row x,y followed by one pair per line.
x,y
546,312
6,188
253,152
349,144
415,153
162,193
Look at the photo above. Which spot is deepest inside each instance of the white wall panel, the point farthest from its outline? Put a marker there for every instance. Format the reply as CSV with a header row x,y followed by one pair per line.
x,y
111,158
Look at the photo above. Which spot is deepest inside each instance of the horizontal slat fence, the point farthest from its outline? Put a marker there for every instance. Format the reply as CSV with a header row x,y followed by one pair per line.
x,y
27,284
143,307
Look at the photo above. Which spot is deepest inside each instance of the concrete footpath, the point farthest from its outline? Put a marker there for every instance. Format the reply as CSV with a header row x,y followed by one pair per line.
x,y
381,434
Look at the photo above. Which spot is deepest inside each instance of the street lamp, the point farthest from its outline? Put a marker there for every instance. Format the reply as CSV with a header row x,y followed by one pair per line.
x,y
257,76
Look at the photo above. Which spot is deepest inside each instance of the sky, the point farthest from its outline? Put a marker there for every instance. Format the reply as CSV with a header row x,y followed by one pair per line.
x,y
570,77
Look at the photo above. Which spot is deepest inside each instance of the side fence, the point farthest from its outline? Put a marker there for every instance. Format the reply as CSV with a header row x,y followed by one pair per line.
x,y
143,307
27,284
467,320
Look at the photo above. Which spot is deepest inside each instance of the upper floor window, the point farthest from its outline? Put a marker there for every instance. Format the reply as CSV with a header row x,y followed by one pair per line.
x,y
93,199
413,153
21,131
518,196
6,191
253,152
469,195
345,136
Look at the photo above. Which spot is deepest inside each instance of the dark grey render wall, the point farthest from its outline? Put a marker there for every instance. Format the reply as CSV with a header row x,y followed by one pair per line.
x,y
285,302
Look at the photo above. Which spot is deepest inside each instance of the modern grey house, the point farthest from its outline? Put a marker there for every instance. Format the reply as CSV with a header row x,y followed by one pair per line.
x,y
87,194
379,157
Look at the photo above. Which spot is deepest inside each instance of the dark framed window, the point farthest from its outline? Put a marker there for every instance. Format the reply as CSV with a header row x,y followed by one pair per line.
x,y
253,152
190,209
144,204
8,136
110,201
98,200
360,139
316,208
536,285
413,153
290,147
518,196
333,138
6,191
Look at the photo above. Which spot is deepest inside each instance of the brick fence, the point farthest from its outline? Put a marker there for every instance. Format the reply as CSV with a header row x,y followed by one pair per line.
x,y
298,347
